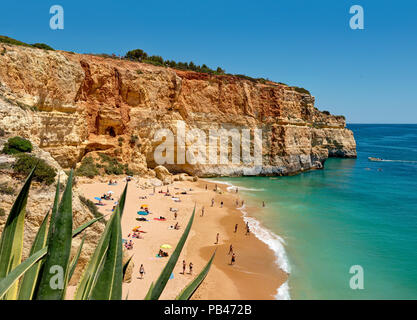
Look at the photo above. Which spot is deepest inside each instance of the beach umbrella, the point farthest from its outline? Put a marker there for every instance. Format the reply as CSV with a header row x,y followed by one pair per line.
x,y
166,246
111,192
97,198
144,206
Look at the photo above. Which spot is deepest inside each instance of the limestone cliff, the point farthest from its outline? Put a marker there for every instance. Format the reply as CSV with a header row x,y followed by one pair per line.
x,y
71,105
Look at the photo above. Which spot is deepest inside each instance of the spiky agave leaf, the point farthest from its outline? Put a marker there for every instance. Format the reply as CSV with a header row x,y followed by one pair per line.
x,y
52,278
148,295
125,265
189,290
74,261
7,282
11,242
30,278
109,281
166,272
88,278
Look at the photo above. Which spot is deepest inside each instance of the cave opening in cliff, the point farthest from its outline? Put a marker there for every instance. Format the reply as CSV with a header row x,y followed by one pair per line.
x,y
110,131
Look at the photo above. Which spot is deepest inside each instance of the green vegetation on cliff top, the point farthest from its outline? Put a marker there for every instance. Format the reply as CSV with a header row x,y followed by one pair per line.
x,y
141,56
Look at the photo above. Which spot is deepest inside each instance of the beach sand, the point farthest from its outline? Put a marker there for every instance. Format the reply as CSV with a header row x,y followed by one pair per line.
x,y
254,275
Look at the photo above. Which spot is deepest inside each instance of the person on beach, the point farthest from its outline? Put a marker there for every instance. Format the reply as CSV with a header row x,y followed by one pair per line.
x,y
212,202
175,215
235,227
237,203
215,188
232,261
184,265
217,238
141,271
191,268
237,189
202,211
221,204
230,249
206,187
247,231
243,202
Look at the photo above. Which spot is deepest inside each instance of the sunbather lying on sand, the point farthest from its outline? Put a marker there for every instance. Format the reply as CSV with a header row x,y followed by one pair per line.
x,y
162,253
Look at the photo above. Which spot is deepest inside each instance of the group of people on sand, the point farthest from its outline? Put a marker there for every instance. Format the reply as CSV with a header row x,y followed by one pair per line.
x,y
162,253
128,245
184,266
112,182
135,235
107,196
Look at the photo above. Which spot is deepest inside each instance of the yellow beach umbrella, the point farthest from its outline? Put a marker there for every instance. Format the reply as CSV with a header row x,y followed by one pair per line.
x,y
166,246
144,206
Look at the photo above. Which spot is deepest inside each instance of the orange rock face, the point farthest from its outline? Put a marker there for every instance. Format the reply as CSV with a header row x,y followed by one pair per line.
x,y
72,105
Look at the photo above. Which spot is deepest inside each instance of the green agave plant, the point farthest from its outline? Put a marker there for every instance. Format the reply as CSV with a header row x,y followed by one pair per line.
x,y
36,277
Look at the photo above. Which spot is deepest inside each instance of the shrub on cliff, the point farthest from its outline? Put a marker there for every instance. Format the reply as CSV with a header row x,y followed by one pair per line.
x,y
2,212
8,40
87,168
91,206
133,139
42,46
2,132
5,189
136,54
44,172
301,90
17,145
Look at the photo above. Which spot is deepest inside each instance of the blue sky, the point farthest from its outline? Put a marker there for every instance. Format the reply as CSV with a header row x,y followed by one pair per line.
x,y
368,75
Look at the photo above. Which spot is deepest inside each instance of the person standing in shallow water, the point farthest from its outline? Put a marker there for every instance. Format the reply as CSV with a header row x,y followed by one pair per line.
x,y
232,261
212,202
191,268
202,211
184,265
235,227
263,204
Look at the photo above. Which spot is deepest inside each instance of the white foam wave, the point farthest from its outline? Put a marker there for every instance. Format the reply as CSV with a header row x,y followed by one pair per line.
x,y
283,292
273,241
230,187
277,245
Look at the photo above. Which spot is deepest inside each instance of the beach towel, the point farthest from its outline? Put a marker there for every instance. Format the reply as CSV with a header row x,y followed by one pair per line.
x,y
159,219
143,213
171,276
97,198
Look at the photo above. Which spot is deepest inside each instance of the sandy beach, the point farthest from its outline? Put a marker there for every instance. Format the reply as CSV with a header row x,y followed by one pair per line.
x,y
254,275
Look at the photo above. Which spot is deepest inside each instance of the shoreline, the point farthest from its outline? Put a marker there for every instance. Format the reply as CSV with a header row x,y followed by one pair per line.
x,y
255,275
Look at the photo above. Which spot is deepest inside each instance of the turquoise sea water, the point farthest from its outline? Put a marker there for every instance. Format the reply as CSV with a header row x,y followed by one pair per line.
x,y
354,212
